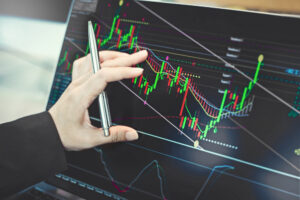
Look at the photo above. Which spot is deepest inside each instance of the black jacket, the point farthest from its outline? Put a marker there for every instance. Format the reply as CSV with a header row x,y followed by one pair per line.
x,y
30,151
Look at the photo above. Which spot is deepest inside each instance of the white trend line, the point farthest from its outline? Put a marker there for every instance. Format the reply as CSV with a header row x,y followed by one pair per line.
x,y
78,47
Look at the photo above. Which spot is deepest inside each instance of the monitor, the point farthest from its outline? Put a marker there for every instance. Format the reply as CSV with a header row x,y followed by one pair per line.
x,y
217,107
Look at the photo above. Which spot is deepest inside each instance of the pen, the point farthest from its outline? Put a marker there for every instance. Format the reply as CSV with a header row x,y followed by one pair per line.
x,y
102,98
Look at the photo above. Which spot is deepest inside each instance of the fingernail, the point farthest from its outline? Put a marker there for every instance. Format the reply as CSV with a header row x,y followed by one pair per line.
x,y
138,70
130,136
143,52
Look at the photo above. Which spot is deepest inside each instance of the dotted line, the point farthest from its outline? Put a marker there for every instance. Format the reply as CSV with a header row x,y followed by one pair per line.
x,y
220,143
134,21
185,74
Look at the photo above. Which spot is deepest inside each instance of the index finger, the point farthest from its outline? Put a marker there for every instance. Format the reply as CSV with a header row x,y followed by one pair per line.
x,y
126,61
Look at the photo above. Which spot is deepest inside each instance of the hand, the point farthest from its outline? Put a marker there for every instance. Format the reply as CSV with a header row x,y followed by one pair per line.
x,y
70,112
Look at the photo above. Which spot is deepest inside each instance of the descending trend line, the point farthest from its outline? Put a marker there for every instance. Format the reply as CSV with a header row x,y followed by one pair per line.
x,y
154,162
223,169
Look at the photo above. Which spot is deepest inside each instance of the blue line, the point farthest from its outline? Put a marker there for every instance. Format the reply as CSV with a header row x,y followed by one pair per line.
x,y
224,156
209,176
232,175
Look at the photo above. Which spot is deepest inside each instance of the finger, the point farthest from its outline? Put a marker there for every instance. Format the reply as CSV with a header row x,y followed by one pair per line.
x,y
126,61
96,84
116,74
108,55
117,134
83,65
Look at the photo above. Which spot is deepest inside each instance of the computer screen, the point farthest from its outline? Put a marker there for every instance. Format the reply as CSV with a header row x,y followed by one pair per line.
x,y
217,107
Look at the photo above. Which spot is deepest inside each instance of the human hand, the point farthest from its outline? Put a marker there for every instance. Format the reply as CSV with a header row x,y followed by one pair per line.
x,y
70,112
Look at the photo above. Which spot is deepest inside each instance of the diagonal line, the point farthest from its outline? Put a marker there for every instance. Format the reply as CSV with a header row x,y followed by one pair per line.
x,y
217,56
265,144
78,47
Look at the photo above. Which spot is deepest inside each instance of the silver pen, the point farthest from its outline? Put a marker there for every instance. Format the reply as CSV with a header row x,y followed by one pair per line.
x,y
102,98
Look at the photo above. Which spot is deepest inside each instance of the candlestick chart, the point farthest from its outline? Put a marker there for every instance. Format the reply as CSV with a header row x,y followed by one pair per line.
x,y
192,109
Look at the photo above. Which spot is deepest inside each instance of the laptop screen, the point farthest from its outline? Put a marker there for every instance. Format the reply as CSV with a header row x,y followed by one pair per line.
x,y
217,107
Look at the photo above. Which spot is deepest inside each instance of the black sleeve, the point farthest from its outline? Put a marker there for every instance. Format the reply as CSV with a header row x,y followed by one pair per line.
x,y
30,151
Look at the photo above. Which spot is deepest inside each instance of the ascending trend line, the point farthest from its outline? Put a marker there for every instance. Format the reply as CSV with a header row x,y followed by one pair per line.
x,y
154,162
217,56
223,169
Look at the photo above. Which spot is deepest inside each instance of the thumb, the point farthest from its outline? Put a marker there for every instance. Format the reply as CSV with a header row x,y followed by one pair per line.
x,y
117,134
